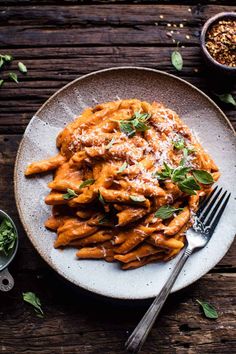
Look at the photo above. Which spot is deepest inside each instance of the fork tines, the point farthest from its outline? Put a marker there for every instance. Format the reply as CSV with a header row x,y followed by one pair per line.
x,y
212,208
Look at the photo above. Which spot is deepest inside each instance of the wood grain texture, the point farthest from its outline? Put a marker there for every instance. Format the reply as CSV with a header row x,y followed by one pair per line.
x,y
49,70
60,40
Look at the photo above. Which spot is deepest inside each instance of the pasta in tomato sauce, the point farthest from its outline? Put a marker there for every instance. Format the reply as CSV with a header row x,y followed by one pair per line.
x,y
127,179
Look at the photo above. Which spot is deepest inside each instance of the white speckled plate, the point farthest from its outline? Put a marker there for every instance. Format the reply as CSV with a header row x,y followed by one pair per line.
x,y
193,106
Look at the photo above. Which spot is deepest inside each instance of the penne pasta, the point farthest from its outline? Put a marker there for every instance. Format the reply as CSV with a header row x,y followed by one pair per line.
x,y
128,177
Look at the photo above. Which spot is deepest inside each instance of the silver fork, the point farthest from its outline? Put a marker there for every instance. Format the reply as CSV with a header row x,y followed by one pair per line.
x,y
205,222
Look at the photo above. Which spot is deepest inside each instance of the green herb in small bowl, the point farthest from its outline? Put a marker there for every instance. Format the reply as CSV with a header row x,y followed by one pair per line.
x,y
8,236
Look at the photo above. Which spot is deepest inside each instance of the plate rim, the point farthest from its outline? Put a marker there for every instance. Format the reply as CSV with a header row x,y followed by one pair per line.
x,y
28,233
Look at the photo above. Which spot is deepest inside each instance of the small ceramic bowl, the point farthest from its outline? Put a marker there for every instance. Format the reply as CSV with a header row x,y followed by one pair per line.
x,y
210,61
6,280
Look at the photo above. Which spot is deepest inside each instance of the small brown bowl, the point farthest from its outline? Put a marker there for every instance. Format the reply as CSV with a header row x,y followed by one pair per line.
x,y
210,61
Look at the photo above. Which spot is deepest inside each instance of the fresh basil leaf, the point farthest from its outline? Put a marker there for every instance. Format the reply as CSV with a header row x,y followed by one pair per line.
x,y
203,177
186,151
109,145
1,82
70,194
179,173
100,198
140,126
123,167
189,185
33,300
7,237
165,173
104,220
13,77
166,211
7,57
208,309
227,98
127,128
137,198
22,67
177,60
1,61
179,144
86,183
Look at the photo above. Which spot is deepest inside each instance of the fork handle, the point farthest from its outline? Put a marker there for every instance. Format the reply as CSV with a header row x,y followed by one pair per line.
x,y
140,333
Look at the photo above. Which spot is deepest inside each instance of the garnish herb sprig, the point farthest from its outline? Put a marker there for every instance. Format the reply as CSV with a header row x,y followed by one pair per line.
x,y
186,183
138,122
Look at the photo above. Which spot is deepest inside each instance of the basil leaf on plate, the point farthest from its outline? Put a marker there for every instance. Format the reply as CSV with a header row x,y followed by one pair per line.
x,y
100,198
127,128
70,194
166,211
189,185
179,173
203,177
109,145
137,198
123,167
86,183
179,144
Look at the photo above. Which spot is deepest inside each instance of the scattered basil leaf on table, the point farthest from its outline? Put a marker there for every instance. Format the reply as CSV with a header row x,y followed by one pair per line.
x,y
86,183
203,176
137,198
208,309
166,211
7,57
22,67
7,236
70,194
189,186
1,82
227,98
13,77
177,60
123,167
33,300
109,145
1,61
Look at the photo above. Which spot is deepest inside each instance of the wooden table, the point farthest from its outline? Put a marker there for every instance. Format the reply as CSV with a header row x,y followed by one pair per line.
x,y
59,41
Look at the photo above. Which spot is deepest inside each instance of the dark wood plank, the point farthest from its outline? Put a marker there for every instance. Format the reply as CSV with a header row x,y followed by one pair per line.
x,y
76,323
49,70
93,2
104,24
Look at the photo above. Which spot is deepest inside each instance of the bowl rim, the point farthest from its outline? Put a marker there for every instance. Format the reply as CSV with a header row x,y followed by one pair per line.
x,y
204,31
7,216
